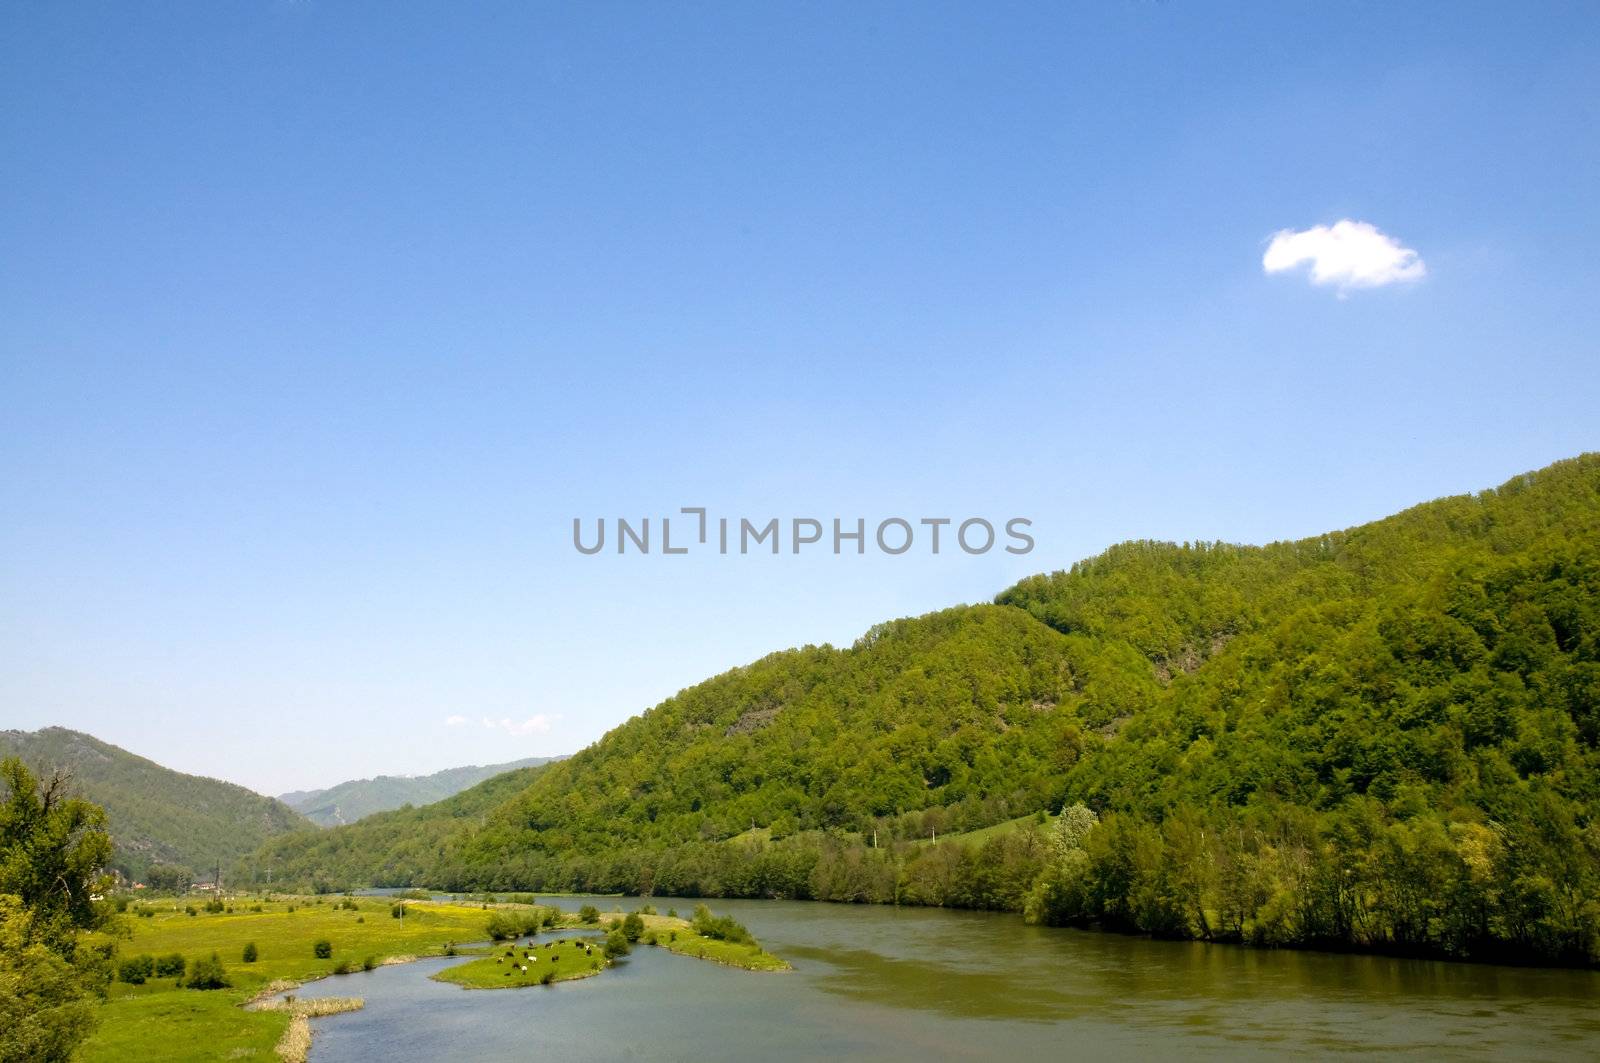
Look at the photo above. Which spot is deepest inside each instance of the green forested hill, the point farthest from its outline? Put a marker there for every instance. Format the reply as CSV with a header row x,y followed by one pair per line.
x,y
1384,737
157,816
359,798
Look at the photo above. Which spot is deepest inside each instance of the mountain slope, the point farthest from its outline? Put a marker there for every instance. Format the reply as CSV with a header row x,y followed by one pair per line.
x,y
1383,737
359,798
157,816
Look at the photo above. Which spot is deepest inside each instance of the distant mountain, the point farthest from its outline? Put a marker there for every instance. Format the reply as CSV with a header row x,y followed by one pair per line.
x,y
359,798
157,816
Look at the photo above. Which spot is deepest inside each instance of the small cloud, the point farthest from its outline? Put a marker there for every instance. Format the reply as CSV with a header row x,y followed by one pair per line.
x,y
1348,254
539,724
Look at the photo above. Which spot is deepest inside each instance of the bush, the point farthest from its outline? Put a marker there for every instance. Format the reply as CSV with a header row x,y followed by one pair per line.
x,y
547,978
323,949
361,919
396,911
250,952
369,963
672,913
617,945
171,966
342,967
189,909
633,927
208,974
722,928
215,906
135,969
648,909
510,924
589,914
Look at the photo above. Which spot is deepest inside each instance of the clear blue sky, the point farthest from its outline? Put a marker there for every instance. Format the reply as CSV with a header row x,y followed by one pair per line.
x,y
320,322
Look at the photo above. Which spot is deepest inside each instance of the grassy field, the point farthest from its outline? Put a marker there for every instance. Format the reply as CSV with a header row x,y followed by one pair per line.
x,y
159,1020
511,967
983,834
163,1020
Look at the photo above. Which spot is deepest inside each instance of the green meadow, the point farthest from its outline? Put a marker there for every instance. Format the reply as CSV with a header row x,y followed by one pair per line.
x,y
512,967
163,1020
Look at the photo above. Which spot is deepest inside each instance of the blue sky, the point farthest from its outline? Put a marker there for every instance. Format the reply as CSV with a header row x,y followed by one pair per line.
x,y
320,322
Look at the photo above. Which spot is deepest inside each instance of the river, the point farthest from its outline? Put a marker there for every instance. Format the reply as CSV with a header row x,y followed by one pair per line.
x,y
882,983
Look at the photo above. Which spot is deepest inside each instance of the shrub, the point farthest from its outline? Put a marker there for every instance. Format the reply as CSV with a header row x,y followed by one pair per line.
x,y
672,913
250,952
396,911
617,945
323,949
208,974
589,914
171,966
369,963
342,967
633,927
722,928
135,969
648,909
215,906
189,909
361,919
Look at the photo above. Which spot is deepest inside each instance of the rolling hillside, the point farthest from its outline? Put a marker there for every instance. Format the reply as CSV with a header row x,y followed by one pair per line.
x,y
157,816
350,801
1383,737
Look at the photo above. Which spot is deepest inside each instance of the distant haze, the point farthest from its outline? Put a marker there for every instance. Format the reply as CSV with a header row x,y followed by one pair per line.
x,y
353,800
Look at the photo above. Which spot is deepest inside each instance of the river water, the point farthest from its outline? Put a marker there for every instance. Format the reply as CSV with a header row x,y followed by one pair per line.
x,y
883,983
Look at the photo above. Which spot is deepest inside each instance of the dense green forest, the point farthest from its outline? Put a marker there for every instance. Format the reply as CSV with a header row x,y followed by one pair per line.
x,y
359,798
158,818
1383,738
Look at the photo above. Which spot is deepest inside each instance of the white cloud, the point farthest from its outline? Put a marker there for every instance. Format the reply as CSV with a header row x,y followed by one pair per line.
x,y
540,723
1348,254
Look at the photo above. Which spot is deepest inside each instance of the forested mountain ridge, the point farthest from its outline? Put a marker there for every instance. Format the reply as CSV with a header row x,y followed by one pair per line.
x,y
156,815
356,799
1384,737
